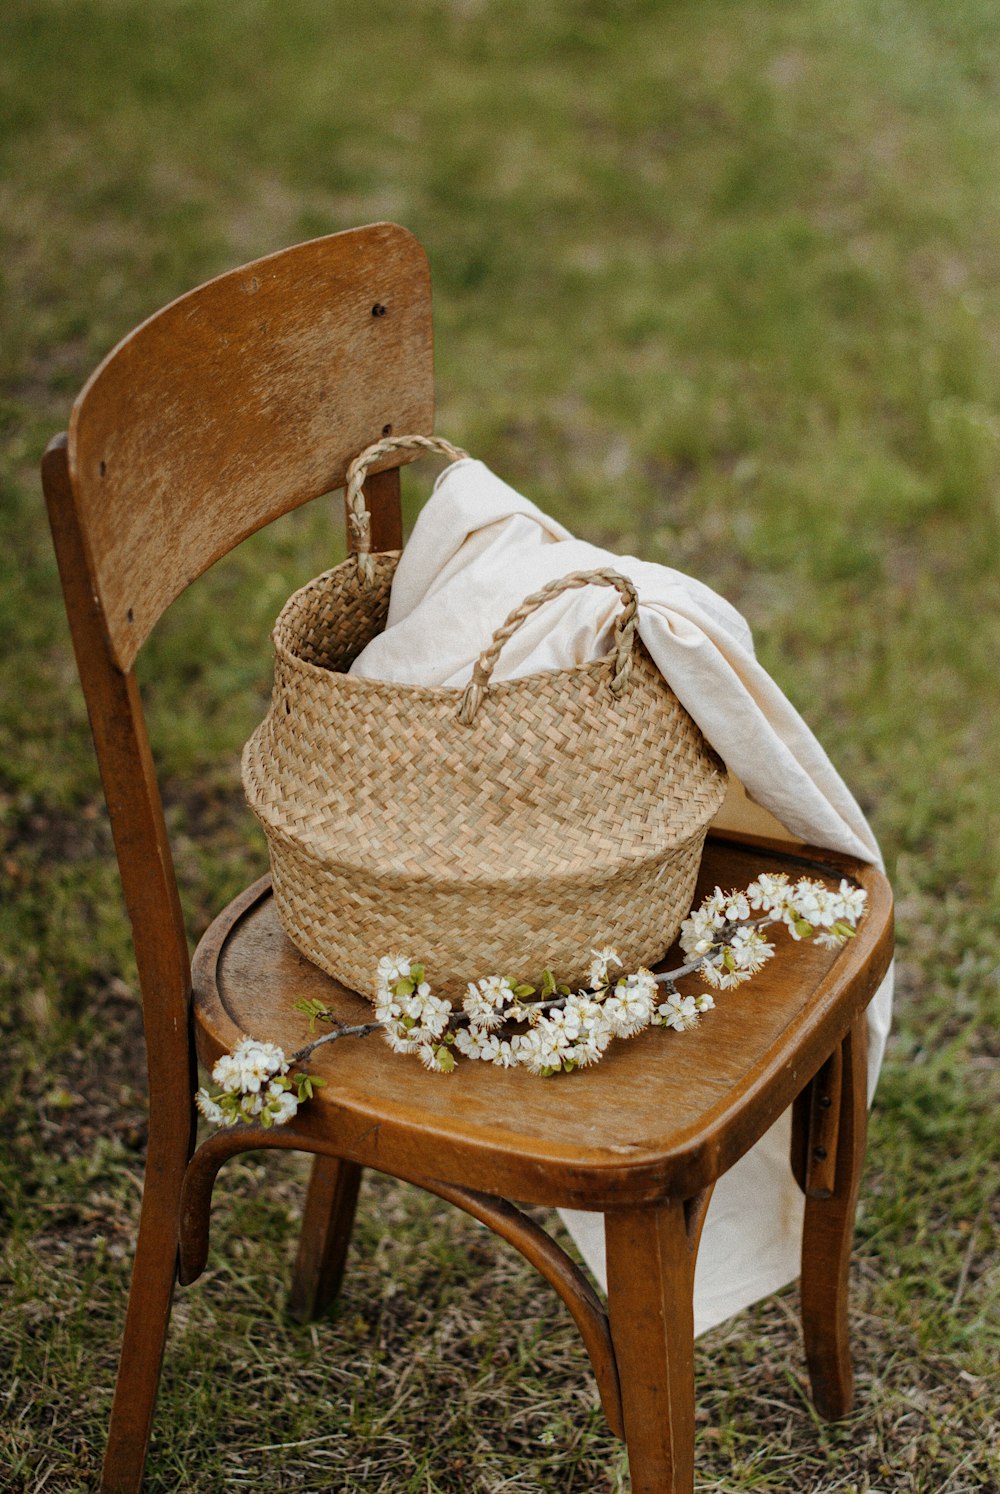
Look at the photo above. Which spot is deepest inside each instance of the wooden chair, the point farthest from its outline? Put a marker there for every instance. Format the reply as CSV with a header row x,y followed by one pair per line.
x,y
227,409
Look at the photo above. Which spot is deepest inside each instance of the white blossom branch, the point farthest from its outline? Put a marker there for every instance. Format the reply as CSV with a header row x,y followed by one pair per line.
x,y
556,1030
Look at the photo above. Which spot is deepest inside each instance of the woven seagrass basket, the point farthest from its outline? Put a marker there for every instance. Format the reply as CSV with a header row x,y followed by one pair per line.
x,y
497,830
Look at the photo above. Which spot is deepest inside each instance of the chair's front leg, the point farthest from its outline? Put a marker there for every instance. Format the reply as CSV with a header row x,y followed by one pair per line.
x,y
651,1308
828,1232
150,1296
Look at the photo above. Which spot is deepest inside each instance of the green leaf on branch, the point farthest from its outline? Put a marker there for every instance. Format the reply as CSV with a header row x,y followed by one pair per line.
x,y
314,1010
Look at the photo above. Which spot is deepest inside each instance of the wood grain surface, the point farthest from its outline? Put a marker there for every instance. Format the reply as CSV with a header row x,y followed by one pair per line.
x,y
240,401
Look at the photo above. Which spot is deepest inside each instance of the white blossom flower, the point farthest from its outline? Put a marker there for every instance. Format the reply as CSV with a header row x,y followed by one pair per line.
x,y
602,958
250,1065
497,988
769,892
594,1026
508,1054
812,901
390,970
399,1038
543,1048
475,1042
432,1012
481,1012
282,1104
630,1008
588,1014
827,939
437,1057
749,950
595,1036
810,905
228,1074
677,1011
736,958
486,1001
853,900
704,928
735,906
833,912
588,1051
699,933
410,1014
715,972
565,1021
642,982
388,1010
256,1056
252,1085
713,908
211,1111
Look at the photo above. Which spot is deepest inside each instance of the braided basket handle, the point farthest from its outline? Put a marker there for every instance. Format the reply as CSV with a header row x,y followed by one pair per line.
x,y
359,520
625,627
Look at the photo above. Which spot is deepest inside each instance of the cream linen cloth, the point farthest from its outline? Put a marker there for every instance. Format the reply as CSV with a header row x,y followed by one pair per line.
x,y
477,549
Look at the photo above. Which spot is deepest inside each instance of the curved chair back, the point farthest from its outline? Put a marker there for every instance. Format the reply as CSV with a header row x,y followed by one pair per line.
x,y
238,402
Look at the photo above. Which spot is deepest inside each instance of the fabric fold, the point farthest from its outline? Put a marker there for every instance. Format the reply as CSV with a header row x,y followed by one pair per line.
x,y
477,549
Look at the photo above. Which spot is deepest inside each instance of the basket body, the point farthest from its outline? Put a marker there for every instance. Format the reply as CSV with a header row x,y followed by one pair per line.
x,y
563,818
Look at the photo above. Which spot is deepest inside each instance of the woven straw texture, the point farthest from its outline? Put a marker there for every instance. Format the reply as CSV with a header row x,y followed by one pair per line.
x,y
563,816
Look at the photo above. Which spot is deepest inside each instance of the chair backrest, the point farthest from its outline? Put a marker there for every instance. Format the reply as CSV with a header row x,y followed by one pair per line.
x,y
233,405
240,401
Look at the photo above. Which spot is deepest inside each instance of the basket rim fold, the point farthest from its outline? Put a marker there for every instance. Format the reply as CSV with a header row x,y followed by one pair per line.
x,y
392,875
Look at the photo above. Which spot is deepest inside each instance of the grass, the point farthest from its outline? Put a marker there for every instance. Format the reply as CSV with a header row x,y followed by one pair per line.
x,y
715,283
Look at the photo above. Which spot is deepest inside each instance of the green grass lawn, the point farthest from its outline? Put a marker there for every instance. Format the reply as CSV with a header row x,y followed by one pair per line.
x,y
717,283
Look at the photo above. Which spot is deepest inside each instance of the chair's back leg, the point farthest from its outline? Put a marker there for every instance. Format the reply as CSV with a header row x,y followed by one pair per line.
x,y
326,1233
827,1237
651,1308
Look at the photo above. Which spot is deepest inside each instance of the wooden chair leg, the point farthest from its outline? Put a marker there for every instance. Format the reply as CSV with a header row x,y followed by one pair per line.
x,y
828,1233
326,1233
651,1309
149,1301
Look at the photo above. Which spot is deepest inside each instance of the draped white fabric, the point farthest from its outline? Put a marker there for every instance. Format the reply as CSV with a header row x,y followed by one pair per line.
x,y
477,549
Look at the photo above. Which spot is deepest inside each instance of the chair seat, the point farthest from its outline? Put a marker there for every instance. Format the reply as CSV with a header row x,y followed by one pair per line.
x,y
663,1114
